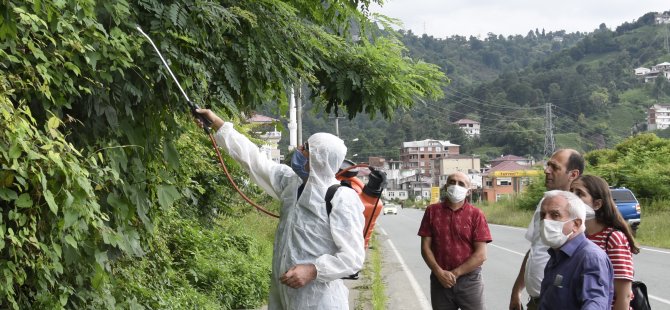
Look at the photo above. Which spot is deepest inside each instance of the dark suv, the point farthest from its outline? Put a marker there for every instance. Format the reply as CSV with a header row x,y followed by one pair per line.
x,y
628,206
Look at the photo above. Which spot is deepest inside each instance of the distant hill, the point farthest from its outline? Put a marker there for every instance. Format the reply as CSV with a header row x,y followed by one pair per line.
x,y
505,83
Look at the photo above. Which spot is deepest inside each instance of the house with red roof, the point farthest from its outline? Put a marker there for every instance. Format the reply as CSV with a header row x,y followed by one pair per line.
x,y
507,178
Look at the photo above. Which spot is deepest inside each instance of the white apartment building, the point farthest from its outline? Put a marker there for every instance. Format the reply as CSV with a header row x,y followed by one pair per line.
x,y
658,117
470,127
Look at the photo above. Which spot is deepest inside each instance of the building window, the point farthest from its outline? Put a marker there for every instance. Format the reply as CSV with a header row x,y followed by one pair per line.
x,y
504,181
489,183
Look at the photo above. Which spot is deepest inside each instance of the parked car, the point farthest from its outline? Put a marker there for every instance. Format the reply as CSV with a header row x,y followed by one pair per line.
x,y
390,208
628,206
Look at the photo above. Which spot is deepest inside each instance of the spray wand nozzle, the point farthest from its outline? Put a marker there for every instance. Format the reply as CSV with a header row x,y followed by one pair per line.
x,y
206,123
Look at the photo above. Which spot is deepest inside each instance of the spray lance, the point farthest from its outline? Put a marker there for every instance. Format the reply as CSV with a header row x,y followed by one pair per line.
x,y
206,123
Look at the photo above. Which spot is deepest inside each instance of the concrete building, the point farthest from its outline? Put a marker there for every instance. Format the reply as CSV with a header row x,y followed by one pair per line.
x,y
658,117
470,127
419,155
269,134
469,165
641,71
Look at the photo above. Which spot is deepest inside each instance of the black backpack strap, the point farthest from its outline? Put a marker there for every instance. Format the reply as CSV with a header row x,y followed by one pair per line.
x,y
329,196
331,192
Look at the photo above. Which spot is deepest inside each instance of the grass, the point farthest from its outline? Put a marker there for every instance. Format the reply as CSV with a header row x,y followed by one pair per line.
x,y
505,214
378,295
371,291
653,231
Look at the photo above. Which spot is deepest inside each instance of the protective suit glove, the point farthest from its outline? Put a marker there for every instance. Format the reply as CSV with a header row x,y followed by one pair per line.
x,y
376,184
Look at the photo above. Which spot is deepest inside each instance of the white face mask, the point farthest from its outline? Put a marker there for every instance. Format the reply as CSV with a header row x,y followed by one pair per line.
x,y
456,193
590,213
551,233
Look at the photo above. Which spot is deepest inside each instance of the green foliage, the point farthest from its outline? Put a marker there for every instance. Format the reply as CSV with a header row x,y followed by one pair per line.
x,y
202,264
640,163
92,147
56,237
377,74
531,195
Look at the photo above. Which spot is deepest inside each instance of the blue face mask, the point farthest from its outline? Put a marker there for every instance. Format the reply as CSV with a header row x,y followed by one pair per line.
x,y
298,162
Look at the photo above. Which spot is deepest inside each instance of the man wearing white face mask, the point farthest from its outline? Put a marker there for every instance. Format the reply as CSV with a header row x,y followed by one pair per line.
x,y
562,168
579,274
454,235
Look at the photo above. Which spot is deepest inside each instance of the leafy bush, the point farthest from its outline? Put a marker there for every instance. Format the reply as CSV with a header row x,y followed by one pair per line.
x,y
224,264
532,194
55,234
641,163
93,177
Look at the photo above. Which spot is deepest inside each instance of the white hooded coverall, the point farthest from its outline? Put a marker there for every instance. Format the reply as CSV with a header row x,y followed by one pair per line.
x,y
306,234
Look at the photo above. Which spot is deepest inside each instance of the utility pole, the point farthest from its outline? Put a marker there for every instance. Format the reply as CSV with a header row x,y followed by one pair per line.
x,y
337,124
292,126
549,144
298,108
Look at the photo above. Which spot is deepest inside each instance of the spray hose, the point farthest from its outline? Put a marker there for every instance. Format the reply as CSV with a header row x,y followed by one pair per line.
x,y
230,178
205,125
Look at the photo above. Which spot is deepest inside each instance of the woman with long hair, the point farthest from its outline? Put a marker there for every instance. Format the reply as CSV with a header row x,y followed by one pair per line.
x,y
606,228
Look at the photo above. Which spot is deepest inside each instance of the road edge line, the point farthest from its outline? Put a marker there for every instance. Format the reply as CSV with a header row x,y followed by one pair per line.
x,y
423,300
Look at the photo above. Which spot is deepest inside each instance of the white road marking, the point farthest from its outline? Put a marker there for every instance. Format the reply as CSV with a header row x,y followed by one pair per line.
x,y
510,227
659,299
508,250
423,300
657,251
382,231
665,301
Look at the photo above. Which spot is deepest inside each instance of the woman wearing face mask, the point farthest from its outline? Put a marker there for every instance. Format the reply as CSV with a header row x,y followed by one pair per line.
x,y
606,228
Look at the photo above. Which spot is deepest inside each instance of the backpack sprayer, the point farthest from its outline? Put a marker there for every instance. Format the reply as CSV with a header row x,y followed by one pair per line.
x,y
206,123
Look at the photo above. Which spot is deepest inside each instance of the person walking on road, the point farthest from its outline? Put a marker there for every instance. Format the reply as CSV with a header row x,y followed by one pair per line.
x,y
564,166
454,235
312,250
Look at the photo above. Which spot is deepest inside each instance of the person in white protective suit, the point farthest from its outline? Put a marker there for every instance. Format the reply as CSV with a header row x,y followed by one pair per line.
x,y
312,250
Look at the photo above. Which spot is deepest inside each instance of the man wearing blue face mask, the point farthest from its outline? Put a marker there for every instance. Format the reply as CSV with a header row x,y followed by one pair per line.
x,y
454,235
579,274
312,249
299,162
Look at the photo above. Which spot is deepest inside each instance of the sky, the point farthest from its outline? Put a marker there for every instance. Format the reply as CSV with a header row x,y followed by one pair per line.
x,y
443,18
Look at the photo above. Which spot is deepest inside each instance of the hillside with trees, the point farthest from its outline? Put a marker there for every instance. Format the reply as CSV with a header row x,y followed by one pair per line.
x,y
505,83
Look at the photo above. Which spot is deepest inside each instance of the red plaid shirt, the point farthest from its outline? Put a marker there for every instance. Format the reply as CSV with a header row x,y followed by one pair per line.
x,y
454,233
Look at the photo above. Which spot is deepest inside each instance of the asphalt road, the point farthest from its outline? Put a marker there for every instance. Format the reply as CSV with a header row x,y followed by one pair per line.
x,y
407,276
